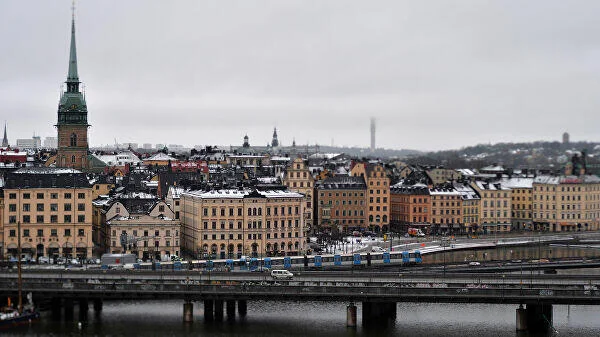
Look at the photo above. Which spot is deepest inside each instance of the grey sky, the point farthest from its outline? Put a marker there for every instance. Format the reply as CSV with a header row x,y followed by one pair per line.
x,y
435,74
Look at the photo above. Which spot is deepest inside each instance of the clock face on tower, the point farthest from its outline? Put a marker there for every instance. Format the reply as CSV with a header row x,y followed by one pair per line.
x,y
74,106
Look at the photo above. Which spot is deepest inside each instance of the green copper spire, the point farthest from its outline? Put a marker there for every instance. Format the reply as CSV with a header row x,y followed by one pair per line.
x,y
73,76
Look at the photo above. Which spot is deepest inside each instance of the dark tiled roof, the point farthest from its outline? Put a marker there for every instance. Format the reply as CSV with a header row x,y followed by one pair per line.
x,y
342,183
46,177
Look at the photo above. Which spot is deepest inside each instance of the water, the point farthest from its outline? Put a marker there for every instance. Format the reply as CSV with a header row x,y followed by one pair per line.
x,y
164,318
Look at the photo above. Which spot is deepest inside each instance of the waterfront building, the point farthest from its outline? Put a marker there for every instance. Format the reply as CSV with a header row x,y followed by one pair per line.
x,y
297,178
53,208
470,206
378,188
495,210
566,203
446,208
232,223
410,206
521,202
341,203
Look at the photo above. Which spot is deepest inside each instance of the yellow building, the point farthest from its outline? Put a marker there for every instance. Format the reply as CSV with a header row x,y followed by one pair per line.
x,y
232,223
566,203
446,210
53,208
521,202
471,202
495,210
298,179
378,194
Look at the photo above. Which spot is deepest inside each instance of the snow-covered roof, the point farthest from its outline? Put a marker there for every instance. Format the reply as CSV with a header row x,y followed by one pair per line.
x,y
160,157
239,194
324,155
517,182
119,159
491,186
267,180
554,180
46,170
278,158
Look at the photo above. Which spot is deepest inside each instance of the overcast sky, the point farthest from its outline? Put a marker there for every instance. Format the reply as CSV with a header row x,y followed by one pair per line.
x,y
435,74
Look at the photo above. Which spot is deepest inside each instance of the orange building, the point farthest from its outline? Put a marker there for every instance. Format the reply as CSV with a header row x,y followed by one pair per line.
x,y
378,194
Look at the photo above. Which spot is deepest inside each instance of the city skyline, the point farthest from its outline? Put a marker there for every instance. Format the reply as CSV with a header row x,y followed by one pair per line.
x,y
196,73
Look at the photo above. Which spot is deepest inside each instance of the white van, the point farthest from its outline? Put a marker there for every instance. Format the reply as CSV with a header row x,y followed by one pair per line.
x,y
281,274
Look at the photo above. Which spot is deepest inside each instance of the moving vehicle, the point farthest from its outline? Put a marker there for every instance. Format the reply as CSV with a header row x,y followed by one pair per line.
x,y
281,274
415,232
111,260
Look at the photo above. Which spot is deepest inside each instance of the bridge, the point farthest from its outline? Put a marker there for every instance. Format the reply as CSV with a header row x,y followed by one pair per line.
x,y
377,291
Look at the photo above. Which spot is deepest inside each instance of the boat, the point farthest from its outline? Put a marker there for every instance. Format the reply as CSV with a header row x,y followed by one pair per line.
x,y
22,314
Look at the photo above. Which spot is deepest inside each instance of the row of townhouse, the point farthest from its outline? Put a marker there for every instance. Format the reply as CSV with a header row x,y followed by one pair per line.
x,y
543,203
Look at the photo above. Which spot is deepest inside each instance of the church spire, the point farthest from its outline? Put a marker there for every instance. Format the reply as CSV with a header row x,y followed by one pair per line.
x,y
5,139
73,76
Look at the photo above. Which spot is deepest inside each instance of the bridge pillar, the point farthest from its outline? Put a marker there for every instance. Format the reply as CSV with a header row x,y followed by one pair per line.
x,y
209,310
56,307
188,312
242,308
521,318
97,304
83,309
68,304
231,310
219,310
539,317
351,315
378,313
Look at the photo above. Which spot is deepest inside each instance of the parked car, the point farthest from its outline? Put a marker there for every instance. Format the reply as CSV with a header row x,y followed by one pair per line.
x,y
281,274
474,263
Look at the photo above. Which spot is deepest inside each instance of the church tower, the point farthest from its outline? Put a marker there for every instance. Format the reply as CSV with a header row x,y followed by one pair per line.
x,y
72,123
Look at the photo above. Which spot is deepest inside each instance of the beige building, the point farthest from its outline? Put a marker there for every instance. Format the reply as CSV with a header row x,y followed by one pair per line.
x,y
566,203
471,202
232,223
446,210
495,210
53,208
441,175
378,194
521,202
298,179
154,234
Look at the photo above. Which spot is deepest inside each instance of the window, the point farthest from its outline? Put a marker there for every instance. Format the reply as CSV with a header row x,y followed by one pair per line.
x,y
67,232
26,219
67,195
25,207
12,207
40,207
12,196
53,232
73,140
12,233
12,219
81,218
67,218
40,232
26,196
26,232
53,195
54,218
67,207
156,233
161,208
40,196
80,195
40,219
81,232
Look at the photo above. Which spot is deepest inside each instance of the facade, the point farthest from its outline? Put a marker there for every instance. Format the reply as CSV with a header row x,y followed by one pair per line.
x,y
72,122
298,179
235,223
470,207
441,175
29,143
341,204
151,235
410,206
446,210
378,194
566,203
521,202
53,209
495,210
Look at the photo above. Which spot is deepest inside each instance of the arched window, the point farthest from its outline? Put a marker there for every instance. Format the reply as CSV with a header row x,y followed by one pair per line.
x,y
72,159
73,139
